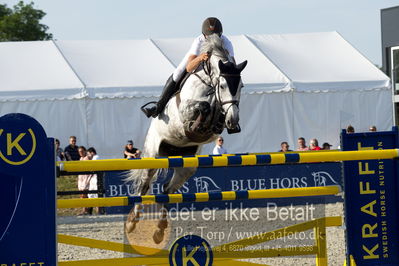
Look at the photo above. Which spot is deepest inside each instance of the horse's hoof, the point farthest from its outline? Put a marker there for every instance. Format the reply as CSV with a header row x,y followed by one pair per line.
x,y
163,224
130,226
158,236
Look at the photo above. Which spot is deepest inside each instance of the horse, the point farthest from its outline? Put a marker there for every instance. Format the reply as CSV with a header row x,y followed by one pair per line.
x,y
207,103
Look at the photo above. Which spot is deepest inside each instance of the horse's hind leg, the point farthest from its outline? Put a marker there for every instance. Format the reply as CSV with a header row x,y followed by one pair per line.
x,y
144,186
159,234
179,177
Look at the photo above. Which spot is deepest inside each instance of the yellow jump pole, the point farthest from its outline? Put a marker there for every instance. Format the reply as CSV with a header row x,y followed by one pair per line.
x,y
200,197
321,242
234,160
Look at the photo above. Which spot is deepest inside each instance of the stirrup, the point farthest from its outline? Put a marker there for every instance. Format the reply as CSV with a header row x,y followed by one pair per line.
x,y
146,111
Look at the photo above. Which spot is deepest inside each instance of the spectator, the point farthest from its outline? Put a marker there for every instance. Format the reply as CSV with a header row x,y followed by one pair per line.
x,y
94,182
350,129
326,146
302,144
314,145
373,129
218,149
84,180
60,156
92,154
284,147
71,151
130,151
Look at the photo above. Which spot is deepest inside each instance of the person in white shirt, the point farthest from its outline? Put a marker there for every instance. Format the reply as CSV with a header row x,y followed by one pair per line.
x,y
96,181
92,153
219,147
190,62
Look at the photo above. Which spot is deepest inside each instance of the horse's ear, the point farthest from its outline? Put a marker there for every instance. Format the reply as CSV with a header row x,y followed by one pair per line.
x,y
241,66
222,66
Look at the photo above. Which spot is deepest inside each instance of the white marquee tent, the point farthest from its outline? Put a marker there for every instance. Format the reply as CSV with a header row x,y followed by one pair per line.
x,y
309,85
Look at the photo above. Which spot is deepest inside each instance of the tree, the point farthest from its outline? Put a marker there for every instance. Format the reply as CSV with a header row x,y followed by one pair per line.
x,y
22,23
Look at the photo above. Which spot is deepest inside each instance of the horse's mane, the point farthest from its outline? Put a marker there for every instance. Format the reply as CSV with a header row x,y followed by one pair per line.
x,y
214,44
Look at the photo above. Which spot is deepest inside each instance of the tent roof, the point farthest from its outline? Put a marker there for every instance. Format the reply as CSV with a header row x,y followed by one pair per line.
x,y
36,70
135,68
320,61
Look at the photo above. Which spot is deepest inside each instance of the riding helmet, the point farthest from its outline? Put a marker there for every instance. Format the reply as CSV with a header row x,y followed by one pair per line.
x,y
212,25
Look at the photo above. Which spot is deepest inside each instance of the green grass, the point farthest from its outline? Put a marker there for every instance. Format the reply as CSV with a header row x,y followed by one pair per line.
x,y
67,183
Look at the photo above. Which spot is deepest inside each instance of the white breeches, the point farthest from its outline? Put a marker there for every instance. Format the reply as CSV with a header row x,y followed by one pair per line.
x,y
180,68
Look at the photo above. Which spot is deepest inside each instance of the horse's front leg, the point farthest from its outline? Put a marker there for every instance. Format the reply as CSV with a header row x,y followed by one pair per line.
x,y
159,234
177,181
134,215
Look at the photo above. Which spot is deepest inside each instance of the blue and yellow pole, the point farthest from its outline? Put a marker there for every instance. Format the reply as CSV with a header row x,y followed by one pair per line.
x,y
200,197
234,160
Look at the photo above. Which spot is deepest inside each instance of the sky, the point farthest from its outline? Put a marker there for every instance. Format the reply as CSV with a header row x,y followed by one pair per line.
x,y
358,21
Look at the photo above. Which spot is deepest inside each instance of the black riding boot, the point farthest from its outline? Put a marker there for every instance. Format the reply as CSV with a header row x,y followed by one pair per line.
x,y
168,91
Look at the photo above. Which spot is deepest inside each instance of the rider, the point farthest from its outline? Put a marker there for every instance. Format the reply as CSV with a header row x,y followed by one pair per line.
x,y
189,63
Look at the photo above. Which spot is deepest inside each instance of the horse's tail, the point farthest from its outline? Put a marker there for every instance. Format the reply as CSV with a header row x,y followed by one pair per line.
x,y
134,179
137,177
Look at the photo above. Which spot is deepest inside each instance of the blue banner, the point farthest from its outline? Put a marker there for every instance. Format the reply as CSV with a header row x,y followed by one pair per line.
x,y
238,178
371,200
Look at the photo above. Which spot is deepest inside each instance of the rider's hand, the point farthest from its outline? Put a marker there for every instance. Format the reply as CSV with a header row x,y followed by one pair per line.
x,y
203,56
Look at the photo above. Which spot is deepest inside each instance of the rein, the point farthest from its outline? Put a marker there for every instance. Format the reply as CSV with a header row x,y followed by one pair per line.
x,y
215,88
218,113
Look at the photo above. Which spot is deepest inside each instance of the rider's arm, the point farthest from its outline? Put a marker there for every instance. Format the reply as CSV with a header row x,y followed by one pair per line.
x,y
194,55
194,61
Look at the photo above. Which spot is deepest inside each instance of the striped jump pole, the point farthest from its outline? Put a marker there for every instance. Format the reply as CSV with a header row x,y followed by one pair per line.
x,y
199,197
234,160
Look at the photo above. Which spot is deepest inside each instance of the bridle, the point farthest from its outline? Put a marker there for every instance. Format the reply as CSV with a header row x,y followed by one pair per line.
x,y
215,88
219,114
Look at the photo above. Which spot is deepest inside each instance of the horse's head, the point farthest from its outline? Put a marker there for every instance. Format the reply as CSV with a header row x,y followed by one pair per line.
x,y
226,76
229,91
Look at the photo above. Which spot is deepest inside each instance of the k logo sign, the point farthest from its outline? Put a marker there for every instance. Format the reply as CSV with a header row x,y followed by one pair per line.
x,y
190,250
17,148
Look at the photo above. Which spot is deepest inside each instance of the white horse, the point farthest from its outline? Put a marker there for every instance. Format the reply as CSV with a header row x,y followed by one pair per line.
x,y
207,103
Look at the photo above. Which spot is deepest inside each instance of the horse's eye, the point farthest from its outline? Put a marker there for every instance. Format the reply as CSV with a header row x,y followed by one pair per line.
x,y
222,87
